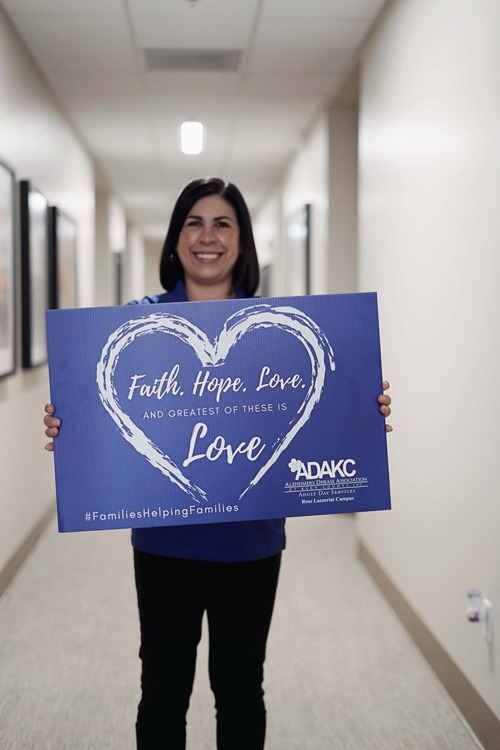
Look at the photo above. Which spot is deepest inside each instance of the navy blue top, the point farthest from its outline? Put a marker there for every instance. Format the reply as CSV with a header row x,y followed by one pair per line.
x,y
239,541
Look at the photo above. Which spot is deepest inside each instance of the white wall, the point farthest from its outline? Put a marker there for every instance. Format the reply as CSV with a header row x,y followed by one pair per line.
x,y
135,277
267,234
306,181
104,268
152,265
429,235
343,199
39,144
117,248
114,236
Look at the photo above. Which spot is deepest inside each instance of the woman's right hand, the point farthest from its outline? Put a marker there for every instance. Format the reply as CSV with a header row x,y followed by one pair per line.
x,y
52,424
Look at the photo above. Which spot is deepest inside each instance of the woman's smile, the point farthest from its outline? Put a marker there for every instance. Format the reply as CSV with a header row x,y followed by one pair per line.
x,y
205,257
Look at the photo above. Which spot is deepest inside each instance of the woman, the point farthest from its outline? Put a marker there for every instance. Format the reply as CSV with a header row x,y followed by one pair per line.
x,y
230,570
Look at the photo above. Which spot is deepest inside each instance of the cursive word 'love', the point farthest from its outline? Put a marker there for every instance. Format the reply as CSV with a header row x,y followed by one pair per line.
x,y
276,381
218,447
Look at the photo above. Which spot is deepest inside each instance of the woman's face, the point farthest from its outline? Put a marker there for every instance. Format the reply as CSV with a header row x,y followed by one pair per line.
x,y
209,242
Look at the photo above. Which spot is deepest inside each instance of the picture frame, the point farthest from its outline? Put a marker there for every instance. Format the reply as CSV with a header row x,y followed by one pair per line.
x,y
63,235
7,273
298,250
33,210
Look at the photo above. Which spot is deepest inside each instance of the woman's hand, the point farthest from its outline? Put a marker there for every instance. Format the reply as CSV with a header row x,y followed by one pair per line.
x,y
385,404
52,424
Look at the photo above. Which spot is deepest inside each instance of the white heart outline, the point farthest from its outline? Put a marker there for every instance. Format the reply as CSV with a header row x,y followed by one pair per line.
x,y
289,319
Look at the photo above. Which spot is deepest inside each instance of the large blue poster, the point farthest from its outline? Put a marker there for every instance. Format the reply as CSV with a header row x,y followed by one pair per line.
x,y
206,412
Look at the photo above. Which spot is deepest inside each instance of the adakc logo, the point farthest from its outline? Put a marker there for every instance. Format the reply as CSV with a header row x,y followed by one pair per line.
x,y
315,470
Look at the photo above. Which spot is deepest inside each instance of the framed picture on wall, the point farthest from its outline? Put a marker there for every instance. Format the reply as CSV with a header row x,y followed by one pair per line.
x,y
7,254
34,273
62,259
297,259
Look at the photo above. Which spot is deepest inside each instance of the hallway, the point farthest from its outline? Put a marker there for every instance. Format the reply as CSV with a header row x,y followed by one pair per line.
x,y
342,674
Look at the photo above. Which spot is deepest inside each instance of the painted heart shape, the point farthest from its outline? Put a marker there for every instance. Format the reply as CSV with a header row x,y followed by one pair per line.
x,y
260,316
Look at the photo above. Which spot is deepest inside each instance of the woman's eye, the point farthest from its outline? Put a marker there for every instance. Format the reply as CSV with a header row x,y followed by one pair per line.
x,y
222,224
193,223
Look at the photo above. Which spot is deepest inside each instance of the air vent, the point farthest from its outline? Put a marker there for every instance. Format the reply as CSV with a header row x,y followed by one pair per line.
x,y
192,59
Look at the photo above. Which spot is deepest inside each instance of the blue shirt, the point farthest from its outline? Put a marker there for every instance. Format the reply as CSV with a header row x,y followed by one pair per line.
x,y
215,542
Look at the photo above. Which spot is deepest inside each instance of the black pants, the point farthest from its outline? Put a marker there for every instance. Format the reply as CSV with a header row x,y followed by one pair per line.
x,y
173,595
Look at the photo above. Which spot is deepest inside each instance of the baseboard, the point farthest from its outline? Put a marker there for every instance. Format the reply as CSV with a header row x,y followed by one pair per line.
x,y
479,716
10,569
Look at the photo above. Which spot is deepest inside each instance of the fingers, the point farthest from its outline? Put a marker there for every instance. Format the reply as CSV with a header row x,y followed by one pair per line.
x,y
385,404
52,425
384,410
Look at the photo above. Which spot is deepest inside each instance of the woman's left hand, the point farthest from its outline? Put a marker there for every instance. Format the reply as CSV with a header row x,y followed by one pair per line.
x,y
385,404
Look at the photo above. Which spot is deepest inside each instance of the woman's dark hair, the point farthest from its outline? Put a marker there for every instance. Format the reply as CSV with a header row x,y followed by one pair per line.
x,y
246,270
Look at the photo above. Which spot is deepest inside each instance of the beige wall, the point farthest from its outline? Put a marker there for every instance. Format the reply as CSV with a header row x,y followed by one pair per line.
x,y
38,143
429,233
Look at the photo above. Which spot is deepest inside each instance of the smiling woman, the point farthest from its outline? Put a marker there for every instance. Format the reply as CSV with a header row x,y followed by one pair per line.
x,y
208,249
184,571
210,218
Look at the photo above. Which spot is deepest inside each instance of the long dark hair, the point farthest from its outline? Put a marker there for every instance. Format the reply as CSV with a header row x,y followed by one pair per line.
x,y
246,270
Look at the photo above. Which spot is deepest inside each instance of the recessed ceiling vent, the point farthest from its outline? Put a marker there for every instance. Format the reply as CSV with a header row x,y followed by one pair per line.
x,y
192,59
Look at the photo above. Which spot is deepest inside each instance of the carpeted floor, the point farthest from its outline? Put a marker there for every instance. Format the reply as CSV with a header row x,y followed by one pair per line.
x,y
341,672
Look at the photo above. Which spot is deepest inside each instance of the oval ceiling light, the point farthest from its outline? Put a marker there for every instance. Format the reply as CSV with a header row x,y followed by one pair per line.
x,y
191,137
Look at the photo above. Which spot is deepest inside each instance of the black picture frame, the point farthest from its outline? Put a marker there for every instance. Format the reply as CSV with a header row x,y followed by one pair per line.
x,y
298,251
63,279
7,271
34,236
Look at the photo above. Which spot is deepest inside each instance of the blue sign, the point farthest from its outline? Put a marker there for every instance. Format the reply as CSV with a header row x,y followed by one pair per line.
x,y
204,412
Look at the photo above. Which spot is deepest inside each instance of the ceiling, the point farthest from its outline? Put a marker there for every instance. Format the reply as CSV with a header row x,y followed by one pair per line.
x,y
288,58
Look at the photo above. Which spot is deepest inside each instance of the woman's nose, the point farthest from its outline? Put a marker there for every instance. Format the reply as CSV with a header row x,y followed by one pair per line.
x,y
207,235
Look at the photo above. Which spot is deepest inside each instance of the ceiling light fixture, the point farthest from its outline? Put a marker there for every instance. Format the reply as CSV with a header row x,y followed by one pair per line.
x,y
192,137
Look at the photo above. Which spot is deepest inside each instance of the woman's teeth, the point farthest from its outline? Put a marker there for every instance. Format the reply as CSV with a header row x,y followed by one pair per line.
x,y
207,256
